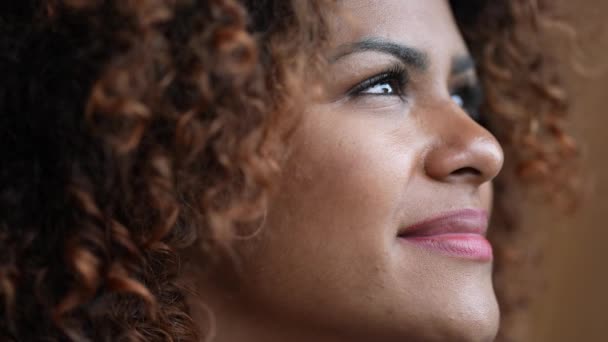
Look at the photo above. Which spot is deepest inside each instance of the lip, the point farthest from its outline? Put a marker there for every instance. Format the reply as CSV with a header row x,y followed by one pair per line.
x,y
459,234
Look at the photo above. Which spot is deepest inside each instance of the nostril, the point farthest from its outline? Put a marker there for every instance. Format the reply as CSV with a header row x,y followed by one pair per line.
x,y
466,171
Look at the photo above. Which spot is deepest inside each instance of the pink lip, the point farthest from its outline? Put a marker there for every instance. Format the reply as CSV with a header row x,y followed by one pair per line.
x,y
458,234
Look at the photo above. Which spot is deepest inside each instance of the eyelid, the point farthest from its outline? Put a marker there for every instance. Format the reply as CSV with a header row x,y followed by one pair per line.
x,y
394,72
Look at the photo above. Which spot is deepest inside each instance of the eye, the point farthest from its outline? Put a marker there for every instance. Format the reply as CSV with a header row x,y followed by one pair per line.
x,y
391,82
458,100
389,87
469,97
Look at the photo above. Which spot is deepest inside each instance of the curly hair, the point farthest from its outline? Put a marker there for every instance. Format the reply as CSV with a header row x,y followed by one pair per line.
x,y
134,130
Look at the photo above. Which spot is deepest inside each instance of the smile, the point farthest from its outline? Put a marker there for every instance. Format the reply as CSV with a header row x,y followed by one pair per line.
x,y
458,234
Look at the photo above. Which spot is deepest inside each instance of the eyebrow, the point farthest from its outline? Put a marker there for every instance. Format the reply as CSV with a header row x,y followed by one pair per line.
x,y
462,64
408,55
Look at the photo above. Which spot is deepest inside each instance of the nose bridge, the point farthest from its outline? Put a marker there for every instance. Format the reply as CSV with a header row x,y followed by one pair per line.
x,y
461,149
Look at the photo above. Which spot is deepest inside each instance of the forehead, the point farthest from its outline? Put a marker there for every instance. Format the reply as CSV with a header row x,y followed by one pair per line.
x,y
427,25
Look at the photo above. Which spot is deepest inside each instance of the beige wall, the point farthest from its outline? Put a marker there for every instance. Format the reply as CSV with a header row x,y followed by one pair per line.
x,y
574,306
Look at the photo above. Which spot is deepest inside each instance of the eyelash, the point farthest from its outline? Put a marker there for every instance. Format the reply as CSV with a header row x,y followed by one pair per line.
x,y
395,73
471,95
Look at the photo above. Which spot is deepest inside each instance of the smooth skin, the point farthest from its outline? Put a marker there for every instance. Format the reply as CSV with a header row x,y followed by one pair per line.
x,y
367,160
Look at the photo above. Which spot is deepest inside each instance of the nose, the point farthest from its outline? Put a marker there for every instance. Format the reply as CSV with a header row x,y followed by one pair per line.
x,y
461,150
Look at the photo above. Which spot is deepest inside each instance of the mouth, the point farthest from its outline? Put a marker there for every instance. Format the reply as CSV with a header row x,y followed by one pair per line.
x,y
459,234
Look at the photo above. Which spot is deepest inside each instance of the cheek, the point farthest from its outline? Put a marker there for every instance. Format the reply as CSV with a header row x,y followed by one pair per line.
x,y
345,176
335,213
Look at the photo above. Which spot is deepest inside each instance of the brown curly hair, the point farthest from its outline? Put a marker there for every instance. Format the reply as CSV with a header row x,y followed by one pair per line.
x,y
133,131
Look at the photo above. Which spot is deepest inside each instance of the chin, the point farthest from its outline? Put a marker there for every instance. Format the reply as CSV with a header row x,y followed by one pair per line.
x,y
473,325
469,314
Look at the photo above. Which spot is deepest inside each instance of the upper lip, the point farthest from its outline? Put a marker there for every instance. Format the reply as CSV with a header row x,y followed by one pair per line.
x,y
465,221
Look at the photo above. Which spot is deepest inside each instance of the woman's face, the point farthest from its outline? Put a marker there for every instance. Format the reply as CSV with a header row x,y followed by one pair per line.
x,y
377,232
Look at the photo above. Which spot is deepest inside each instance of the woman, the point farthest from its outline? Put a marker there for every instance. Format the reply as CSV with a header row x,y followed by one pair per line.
x,y
267,170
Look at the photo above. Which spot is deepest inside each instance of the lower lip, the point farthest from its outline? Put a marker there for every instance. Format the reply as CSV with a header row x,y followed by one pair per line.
x,y
466,246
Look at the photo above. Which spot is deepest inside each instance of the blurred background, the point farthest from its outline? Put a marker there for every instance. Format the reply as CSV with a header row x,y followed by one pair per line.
x,y
574,303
